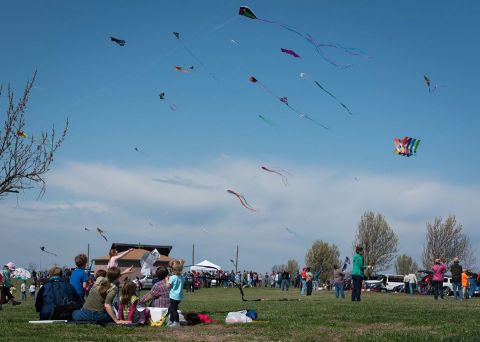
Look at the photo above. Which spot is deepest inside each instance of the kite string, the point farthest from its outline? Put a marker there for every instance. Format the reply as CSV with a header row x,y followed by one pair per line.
x,y
232,19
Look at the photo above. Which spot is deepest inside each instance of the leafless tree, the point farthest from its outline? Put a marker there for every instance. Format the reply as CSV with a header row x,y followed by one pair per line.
x,y
378,240
24,160
278,268
445,240
321,257
292,266
404,264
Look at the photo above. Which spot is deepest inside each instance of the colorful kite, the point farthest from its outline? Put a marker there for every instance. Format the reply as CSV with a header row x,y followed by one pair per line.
x,y
120,42
242,200
305,76
184,69
102,233
22,134
271,123
284,100
406,146
429,84
290,52
45,251
247,12
278,172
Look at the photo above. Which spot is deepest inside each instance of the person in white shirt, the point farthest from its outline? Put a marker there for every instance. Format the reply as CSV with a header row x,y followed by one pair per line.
x,y
23,289
412,282
32,290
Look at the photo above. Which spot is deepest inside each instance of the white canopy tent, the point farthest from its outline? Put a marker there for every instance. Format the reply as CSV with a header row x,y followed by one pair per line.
x,y
205,265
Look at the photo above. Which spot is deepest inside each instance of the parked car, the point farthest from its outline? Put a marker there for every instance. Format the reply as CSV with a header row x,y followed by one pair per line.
x,y
389,281
425,284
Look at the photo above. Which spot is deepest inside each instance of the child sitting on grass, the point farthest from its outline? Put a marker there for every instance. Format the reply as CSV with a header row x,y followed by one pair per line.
x,y
175,285
127,308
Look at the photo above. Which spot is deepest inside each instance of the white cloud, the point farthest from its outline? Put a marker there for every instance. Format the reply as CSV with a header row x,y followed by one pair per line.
x,y
319,203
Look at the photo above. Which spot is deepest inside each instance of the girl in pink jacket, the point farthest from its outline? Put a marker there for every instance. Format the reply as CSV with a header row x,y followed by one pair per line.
x,y
437,279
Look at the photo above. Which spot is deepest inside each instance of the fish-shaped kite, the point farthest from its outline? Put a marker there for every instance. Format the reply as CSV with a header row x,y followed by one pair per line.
x,y
290,52
248,13
45,251
102,233
120,42
242,200
406,146
278,172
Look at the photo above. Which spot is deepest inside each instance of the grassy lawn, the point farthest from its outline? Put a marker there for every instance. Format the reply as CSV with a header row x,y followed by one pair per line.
x,y
379,317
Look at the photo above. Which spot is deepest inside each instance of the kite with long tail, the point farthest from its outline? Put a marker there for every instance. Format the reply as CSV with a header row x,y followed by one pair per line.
x,y
171,105
45,251
284,100
177,35
242,200
278,172
248,13
305,76
102,233
429,84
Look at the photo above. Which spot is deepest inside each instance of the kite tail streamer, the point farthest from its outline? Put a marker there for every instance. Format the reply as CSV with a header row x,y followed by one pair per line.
x,y
304,116
334,97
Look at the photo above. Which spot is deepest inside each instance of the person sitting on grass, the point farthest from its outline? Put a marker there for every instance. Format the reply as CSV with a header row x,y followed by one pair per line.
x,y
56,292
175,285
127,307
98,307
159,294
79,276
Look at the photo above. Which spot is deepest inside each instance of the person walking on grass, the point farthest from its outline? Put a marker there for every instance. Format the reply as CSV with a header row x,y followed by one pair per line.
x,y
465,283
456,270
32,290
8,269
23,289
338,279
412,282
358,270
438,269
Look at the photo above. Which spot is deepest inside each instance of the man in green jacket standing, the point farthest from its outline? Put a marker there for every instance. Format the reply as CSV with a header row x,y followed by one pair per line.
x,y
357,273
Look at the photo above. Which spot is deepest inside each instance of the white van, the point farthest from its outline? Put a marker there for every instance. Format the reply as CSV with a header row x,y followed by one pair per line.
x,y
389,281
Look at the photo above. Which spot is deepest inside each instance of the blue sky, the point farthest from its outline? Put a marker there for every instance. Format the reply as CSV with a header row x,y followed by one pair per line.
x,y
215,139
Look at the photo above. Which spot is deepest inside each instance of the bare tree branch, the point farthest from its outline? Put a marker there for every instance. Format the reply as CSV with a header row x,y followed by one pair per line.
x,y
24,160
404,264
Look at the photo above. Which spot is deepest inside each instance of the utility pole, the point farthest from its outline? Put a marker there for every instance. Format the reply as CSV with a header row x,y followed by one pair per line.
x,y
236,261
193,254
88,253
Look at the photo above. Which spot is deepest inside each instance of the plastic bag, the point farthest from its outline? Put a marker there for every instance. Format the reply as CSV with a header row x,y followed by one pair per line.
x,y
238,317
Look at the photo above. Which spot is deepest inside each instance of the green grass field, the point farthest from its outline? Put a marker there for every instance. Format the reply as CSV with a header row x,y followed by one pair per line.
x,y
379,317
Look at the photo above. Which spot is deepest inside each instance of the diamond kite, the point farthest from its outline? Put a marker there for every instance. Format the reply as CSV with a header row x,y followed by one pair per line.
x,y
120,42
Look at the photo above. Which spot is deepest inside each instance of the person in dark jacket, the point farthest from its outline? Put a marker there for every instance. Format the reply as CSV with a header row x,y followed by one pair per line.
x,y
456,270
56,292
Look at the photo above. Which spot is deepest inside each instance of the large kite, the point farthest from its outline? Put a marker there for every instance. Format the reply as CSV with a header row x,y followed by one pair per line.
x,y
284,100
305,76
278,172
248,13
406,146
242,200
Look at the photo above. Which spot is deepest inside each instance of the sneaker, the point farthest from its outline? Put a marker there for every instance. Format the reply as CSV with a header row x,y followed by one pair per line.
x,y
174,324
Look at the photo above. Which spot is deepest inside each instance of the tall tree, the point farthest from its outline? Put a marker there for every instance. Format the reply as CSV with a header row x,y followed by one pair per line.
x,y
404,264
446,240
378,240
321,257
24,158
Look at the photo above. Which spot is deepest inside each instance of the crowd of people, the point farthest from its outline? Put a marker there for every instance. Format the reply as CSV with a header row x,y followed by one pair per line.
x,y
101,299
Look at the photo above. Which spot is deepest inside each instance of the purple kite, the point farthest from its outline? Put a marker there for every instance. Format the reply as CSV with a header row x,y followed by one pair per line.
x,y
290,52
